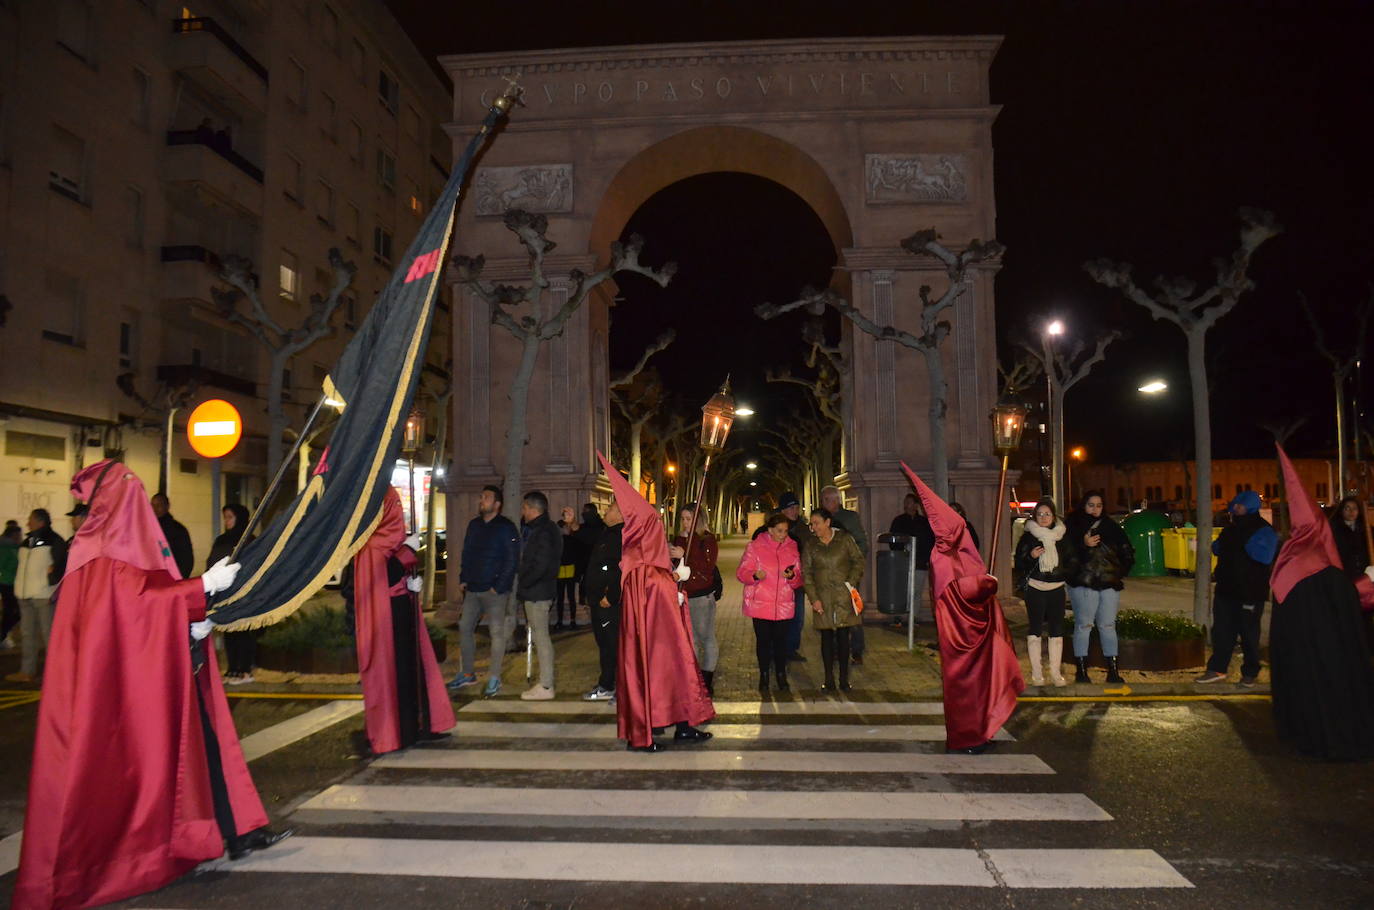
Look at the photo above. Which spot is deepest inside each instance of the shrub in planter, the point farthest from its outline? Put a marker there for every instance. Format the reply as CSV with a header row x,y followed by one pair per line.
x,y
1153,641
320,641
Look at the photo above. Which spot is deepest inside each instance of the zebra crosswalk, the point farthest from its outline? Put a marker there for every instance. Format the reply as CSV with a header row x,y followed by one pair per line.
x,y
865,786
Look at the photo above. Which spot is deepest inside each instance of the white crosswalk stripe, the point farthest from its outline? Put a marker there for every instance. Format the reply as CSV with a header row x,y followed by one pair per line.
x,y
816,777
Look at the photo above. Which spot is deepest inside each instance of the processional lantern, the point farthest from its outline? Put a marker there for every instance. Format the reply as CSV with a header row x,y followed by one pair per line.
x,y
717,415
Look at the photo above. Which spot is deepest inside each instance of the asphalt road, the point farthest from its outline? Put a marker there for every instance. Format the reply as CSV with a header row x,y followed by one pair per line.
x,y
1202,787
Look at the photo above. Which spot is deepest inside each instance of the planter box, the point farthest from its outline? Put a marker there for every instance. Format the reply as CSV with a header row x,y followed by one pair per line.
x,y
319,660
1139,654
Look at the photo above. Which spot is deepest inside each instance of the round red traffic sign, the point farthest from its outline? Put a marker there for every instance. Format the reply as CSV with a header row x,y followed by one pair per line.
x,y
214,428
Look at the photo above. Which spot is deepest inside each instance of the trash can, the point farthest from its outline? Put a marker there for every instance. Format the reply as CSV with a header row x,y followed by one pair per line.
x,y
1176,558
1189,536
894,573
1145,532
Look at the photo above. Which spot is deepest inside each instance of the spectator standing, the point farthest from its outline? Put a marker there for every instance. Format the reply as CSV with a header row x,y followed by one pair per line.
x,y
800,532
572,563
1347,527
848,519
700,557
491,551
770,571
972,532
178,539
914,524
1040,568
9,566
42,562
240,648
1102,557
1244,552
601,587
829,562
537,578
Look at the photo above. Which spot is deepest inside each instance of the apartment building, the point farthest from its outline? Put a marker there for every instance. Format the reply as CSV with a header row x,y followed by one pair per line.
x,y
141,143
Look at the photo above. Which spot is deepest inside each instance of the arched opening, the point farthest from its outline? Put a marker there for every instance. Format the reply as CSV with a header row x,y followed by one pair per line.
x,y
739,240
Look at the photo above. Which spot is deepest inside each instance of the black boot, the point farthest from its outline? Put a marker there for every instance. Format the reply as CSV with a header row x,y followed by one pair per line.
x,y
686,733
1113,672
782,678
828,659
709,677
763,682
842,657
1081,675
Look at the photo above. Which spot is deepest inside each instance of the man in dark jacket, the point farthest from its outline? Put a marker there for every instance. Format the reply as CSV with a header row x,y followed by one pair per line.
x,y
1244,554
178,539
914,524
537,581
491,550
601,585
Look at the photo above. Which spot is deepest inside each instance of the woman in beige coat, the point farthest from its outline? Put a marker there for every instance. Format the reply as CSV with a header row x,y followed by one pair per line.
x,y
828,562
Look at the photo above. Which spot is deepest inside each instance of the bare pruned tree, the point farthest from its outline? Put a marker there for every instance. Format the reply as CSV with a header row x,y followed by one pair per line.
x,y
1343,364
1020,376
282,342
934,328
534,327
1178,300
169,398
638,396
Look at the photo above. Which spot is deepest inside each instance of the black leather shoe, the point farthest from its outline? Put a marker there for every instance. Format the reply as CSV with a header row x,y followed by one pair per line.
x,y
652,747
425,736
974,750
857,659
797,657
258,839
782,681
1113,671
690,735
763,683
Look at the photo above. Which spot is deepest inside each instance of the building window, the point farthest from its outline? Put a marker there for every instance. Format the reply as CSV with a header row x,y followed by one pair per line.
x,y
1322,491
357,61
133,216
128,339
381,245
411,123
1121,495
413,202
64,310
286,384
68,173
295,179
328,117
329,29
388,91
142,98
289,276
324,202
355,142
1216,491
353,223
386,169
74,27
295,83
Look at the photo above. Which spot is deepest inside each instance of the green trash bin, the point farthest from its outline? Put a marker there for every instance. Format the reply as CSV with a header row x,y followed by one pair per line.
x,y
1145,530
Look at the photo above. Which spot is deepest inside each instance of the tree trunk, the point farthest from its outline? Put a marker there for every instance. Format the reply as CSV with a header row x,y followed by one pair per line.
x,y
276,410
1202,443
938,391
636,467
1340,435
1057,491
518,435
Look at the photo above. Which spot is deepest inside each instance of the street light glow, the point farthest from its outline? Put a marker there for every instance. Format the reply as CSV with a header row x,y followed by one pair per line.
x,y
672,469
753,483
1153,387
753,466
1055,328
744,411
1078,454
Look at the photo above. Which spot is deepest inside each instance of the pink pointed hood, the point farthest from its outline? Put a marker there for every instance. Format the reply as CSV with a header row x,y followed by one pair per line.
x,y
121,524
1311,546
955,558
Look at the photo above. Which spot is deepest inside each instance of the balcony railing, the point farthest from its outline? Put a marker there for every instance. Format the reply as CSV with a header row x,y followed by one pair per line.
x,y
206,24
190,252
183,374
219,144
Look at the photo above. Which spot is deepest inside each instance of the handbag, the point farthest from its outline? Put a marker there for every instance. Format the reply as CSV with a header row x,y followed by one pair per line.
x,y
855,599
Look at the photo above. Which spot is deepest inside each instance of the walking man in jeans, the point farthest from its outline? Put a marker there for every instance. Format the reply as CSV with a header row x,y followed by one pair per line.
x,y
491,551
537,580
42,562
1244,554
602,587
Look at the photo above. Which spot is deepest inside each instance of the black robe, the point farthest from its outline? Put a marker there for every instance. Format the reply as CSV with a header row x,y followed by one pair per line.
x,y
1322,682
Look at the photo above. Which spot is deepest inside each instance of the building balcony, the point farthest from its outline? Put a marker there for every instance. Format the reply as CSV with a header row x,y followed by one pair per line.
x,y
203,161
180,374
209,56
186,279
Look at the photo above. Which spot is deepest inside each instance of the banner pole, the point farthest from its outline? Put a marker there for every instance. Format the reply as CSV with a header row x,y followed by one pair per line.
x,y
275,485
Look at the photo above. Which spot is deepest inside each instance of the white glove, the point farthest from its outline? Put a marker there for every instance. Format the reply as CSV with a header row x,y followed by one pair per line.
x,y
201,629
415,584
1369,573
413,541
220,576
682,572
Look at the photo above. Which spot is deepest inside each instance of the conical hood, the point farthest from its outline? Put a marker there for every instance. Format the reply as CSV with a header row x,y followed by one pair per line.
x,y
1311,547
954,556
643,540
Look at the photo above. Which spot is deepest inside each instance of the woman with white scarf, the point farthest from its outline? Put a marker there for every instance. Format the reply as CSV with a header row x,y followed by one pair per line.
x,y
1040,571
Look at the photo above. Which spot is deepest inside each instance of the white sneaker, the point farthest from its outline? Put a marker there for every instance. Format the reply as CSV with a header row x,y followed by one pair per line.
x,y
599,694
538,693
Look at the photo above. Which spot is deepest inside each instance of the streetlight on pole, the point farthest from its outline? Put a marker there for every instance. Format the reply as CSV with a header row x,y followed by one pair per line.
x,y
1008,420
1077,454
1055,399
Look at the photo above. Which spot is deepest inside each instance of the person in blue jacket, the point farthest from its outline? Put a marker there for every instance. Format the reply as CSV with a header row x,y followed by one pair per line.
x,y
491,551
1245,551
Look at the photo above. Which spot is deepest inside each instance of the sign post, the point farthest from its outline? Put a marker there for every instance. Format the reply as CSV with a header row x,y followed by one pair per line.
x,y
214,429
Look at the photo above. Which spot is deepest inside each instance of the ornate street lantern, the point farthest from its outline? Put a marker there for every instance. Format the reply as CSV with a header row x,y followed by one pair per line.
x,y
410,446
716,417
1008,420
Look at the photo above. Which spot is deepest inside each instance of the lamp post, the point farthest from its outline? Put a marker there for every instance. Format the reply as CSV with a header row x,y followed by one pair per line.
x,y
716,417
1055,403
410,446
1008,420
1077,454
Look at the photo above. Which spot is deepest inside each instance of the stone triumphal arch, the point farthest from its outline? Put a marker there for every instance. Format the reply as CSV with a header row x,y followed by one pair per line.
x,y
881,137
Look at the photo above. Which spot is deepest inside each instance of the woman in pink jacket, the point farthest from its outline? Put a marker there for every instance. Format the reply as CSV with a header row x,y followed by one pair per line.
x,y
770,572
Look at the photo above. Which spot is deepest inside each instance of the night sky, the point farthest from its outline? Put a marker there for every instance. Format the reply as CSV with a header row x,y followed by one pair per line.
x,y
1128,130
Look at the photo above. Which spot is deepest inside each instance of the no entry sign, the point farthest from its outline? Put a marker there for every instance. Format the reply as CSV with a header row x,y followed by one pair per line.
x,y
214,428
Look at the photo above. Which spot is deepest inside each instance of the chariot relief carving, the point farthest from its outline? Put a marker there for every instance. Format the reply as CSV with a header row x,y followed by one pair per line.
x,y
916,178
545,188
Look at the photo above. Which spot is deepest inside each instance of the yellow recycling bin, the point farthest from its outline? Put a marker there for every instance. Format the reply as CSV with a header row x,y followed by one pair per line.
x,y
1180,549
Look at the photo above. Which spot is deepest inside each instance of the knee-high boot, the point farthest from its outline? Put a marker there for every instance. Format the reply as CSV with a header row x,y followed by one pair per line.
x,y
1033,652
1057,660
